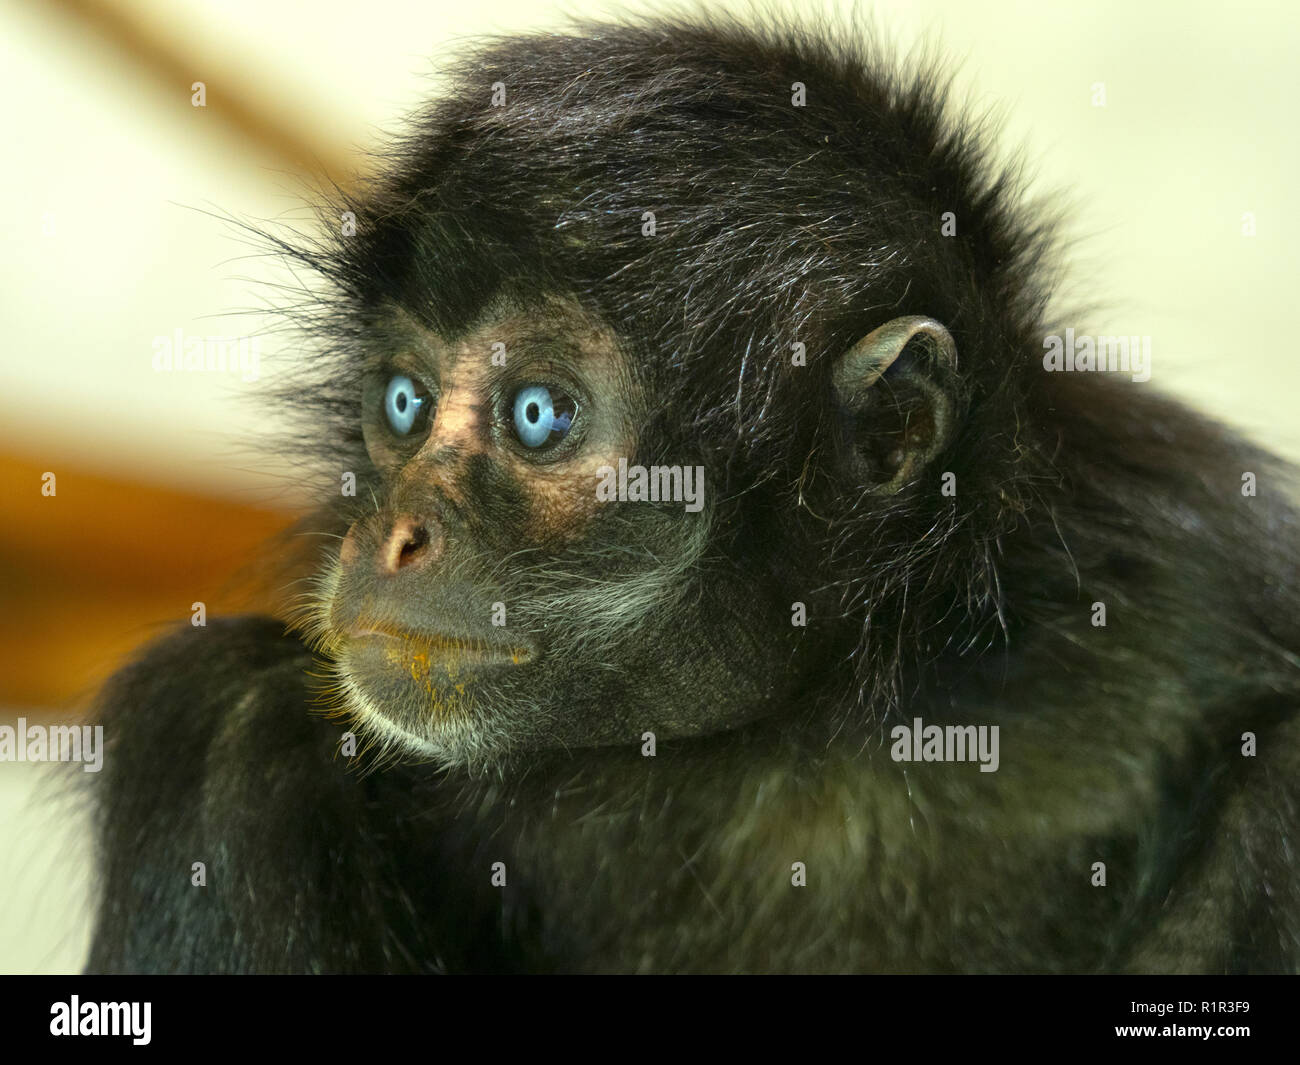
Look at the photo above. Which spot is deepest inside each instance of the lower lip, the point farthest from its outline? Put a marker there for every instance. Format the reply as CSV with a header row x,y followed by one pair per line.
x,y
445,650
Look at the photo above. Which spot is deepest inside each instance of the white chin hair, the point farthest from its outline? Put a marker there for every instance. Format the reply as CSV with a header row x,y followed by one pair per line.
x,y
459,743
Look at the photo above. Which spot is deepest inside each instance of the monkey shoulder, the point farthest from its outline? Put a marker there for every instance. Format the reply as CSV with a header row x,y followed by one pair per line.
x,y
204,695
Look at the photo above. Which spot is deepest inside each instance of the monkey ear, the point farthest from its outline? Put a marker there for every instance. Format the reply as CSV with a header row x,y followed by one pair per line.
x,y
895,390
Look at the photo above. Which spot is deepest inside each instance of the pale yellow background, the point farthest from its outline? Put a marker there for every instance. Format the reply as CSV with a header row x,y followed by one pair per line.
x,y
103,251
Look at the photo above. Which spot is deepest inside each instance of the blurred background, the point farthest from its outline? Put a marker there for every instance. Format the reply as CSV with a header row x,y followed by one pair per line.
x,y
1169,127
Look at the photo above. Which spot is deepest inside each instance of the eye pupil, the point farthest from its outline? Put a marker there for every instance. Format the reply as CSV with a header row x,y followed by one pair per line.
x,y
401,401
542,418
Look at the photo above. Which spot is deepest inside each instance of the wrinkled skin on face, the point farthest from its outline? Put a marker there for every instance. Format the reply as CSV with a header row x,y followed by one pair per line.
x,y
487,602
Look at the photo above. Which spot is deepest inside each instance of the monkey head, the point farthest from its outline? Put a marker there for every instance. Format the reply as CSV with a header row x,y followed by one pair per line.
x,y
554,308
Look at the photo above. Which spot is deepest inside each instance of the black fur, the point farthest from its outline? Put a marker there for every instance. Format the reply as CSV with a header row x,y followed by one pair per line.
x,y
777,224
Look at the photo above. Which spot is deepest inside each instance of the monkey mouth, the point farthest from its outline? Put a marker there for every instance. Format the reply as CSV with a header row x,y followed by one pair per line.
x,y
437,648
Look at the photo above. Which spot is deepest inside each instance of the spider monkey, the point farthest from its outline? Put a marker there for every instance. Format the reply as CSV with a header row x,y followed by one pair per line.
x,y
956,664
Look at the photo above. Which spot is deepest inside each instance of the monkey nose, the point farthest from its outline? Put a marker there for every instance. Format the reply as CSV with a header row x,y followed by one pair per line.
x,y
410,542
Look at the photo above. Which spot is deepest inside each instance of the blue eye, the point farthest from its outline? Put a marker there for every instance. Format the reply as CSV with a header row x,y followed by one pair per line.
x,y
542,417
405,403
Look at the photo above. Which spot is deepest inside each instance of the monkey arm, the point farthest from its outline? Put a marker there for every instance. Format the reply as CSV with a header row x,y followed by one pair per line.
x,y
213,757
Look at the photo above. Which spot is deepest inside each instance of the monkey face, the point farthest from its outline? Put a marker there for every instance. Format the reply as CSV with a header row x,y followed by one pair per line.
x,y
487,600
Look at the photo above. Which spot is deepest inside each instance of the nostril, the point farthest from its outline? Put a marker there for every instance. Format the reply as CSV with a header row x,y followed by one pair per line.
x,y
410,542
417,542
